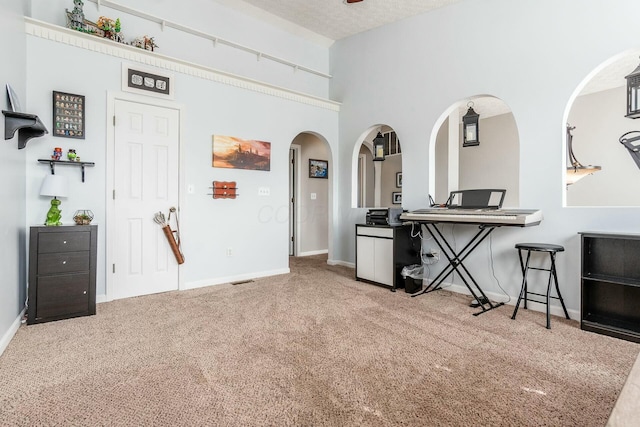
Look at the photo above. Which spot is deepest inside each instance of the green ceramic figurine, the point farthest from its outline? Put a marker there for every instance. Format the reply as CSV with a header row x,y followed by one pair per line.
x,y
54,215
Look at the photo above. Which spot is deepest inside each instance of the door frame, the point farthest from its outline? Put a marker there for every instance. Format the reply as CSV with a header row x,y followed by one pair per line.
x,y
297,150
112,97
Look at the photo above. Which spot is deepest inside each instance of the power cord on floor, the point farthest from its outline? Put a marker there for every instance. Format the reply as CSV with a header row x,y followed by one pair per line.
x,y
493,271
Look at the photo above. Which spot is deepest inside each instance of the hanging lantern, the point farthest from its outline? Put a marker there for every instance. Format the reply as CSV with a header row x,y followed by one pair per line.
x,y
470,130
378,148
633,94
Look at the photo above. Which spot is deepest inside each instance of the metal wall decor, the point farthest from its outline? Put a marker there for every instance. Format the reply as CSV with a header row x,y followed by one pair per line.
x,y
68,115
147,82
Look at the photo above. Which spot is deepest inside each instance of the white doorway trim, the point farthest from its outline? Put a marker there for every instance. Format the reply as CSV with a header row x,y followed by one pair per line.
x,y
297,156
110,162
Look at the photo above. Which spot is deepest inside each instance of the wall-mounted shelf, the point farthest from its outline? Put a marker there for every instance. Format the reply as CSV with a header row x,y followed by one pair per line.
x,y
28,126
52,164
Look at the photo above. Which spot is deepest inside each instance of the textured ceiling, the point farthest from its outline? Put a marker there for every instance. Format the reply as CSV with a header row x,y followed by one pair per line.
x,y
335,19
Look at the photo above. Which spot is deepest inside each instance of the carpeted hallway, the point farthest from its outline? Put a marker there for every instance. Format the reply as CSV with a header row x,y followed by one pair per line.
x,y
313,347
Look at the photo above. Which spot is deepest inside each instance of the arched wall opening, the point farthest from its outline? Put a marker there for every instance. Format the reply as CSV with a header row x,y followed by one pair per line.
x,y
596,113
494,163
310,194
377,184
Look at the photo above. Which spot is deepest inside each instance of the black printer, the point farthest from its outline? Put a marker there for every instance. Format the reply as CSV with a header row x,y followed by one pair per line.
x,y
384,216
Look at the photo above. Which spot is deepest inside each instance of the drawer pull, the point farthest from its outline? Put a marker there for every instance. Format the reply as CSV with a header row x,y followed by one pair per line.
x,y
64,242
64,262
84,292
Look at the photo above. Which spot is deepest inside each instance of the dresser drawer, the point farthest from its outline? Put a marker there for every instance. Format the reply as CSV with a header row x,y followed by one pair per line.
x,y
64,242
64,262
62,295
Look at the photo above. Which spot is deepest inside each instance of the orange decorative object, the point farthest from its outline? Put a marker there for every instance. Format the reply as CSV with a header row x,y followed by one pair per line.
x,y
224,190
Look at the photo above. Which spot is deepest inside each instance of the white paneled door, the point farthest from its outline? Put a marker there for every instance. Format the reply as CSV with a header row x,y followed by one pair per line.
x,y
145,182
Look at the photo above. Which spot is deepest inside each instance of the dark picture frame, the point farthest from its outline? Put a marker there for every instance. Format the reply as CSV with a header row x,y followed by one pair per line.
x,y
68,115
398,179
318,168
396,197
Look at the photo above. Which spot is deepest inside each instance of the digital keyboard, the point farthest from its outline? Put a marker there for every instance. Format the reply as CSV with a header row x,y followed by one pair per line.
x,y
506,217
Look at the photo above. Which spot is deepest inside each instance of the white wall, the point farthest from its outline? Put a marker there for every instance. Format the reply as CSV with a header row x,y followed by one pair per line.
x,y
211,18
255,227
600,121
495,162
532,55
12,170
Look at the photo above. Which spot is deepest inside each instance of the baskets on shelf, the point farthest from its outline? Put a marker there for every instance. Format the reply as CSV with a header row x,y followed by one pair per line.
x,y
83,217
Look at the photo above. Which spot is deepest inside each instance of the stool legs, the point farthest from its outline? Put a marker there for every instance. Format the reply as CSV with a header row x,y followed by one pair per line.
x,y
523,289
553,276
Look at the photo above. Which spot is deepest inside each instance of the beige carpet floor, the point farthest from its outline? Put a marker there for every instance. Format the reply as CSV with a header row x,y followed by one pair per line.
x,y
311,348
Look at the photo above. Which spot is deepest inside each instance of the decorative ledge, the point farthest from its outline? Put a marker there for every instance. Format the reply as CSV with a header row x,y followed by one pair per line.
x,y
27,125
70,37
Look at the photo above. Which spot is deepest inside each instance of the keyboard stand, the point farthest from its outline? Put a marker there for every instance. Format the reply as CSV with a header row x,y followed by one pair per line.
x,y
456,264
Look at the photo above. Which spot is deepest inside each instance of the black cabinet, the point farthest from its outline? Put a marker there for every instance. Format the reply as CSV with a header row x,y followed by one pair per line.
x,y
610,288
62,272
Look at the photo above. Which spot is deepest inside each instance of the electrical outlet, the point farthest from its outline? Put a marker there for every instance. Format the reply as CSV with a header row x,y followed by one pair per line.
x,y
229,251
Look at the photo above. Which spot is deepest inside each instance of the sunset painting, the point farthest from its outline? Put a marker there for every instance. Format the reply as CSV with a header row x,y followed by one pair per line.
x,y
237,153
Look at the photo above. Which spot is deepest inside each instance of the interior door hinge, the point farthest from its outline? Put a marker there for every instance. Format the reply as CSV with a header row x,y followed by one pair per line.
x,y
114,120
114,194
114,268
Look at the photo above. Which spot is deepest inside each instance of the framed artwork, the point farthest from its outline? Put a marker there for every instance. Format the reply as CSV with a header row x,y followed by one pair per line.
x,y
318,168
399,179
236,153
68,115
396,198
147,81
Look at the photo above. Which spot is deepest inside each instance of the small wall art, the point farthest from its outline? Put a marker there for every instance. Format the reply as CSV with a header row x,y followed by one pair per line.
x,y
318,168
396,198
399,179
147,82
238,153
68,115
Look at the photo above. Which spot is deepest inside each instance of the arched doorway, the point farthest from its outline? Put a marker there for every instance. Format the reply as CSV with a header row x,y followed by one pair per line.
x,y
310,177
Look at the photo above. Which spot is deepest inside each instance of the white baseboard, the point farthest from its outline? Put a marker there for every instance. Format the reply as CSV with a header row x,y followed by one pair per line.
x,y
343,263
101,298
311,253
556,310
8,336
229,279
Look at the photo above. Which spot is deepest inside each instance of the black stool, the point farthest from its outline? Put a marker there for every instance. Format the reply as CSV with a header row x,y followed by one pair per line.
x,y
552,250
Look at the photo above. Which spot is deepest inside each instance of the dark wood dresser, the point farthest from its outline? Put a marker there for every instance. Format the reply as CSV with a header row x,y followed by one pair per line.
x,y
62,272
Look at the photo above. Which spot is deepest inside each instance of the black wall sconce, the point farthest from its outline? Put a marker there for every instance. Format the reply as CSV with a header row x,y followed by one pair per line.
x,y
378,148
633,94
470,128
